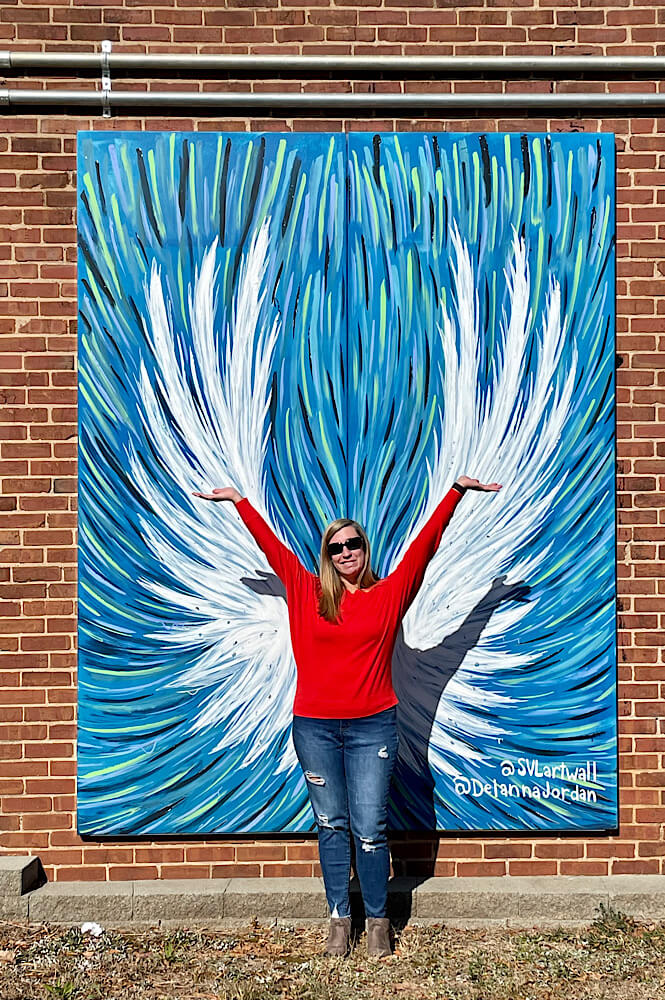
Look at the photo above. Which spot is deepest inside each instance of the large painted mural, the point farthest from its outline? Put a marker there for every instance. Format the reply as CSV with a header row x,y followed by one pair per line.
x,y
341,325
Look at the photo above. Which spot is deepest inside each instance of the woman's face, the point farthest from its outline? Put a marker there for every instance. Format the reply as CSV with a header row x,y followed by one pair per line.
x,y
349,562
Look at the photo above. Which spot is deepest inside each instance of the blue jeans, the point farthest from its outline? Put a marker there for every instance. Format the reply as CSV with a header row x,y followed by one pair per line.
x,y
348,764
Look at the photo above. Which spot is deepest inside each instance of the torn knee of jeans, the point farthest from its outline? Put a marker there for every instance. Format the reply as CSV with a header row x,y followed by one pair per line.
x,y
369,844
383,752
324,821
314,779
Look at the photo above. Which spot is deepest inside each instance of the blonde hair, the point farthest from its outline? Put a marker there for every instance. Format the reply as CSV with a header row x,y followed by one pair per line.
x,y
332,588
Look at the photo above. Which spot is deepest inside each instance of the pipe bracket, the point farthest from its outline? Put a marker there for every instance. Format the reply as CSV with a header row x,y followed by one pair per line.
x,y
106,78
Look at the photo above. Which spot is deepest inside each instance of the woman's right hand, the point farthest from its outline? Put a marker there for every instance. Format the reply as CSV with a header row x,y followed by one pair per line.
x,y
223,493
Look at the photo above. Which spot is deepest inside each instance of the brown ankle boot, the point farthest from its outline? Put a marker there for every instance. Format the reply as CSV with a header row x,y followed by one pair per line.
x,y
338,936
378,937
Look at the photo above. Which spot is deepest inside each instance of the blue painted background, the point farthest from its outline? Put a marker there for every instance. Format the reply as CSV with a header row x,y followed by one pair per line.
x,y
346,324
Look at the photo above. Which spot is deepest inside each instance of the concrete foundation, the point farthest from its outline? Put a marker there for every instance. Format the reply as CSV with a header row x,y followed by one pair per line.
x,y
463,902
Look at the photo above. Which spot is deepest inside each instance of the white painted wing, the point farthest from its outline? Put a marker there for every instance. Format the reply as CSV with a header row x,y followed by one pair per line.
x,y
206,420
510,433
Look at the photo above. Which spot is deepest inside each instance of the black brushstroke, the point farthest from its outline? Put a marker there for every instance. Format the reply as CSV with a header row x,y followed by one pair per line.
x,y
327,481
437,154
111,340
389,422
272,405
223,181
147,196
548,158
274,287
526,163
415,447
386,478
84,199
376,145
142,249
158,459
435,283
137,316
190,250
295,310
276,484
486,297
182,186
295,170
487,168
365,271
392,223
412,215
305,416
598,161
332,398
90,261
574,223
592,226
100,188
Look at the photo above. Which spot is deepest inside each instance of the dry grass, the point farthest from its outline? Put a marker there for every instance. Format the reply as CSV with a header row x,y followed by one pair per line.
x,y
614,957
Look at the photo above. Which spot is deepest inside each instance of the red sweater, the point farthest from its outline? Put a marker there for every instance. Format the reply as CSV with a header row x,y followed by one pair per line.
x,y
344,669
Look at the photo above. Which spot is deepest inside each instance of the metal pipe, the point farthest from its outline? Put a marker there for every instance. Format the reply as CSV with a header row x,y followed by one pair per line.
x,y
553,67
352,103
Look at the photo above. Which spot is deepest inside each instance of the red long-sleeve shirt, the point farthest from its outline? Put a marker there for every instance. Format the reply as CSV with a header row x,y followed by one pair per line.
x,y
344,668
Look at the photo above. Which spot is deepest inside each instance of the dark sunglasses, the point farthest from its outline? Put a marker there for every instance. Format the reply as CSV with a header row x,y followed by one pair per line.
x,y
352,544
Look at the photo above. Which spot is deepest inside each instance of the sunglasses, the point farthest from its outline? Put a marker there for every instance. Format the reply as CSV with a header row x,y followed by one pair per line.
x,y
352,544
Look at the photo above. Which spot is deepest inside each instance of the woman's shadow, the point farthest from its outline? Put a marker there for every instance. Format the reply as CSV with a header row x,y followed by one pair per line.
x,y
420,677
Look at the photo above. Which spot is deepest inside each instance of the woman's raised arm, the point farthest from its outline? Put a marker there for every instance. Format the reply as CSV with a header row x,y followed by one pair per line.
x,y
408,576
283,561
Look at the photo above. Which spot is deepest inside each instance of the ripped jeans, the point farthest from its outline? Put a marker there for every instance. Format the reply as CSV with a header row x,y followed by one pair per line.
x,y
348,764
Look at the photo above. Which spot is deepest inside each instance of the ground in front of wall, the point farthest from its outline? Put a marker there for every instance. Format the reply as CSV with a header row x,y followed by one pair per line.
x,y
614,957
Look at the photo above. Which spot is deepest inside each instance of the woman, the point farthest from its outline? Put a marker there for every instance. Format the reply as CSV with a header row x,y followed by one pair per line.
x,y
343,627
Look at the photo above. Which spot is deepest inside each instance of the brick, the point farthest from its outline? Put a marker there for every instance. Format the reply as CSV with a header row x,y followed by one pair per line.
x,y
236,871
510,851
477,868
584,868
209,853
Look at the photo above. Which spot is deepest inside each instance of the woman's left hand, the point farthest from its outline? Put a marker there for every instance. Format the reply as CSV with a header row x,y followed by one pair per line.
x,y
475,484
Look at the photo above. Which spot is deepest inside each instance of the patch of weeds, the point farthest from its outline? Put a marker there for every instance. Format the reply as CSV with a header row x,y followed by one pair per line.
x,y
178,944
611,922
477,968
64,989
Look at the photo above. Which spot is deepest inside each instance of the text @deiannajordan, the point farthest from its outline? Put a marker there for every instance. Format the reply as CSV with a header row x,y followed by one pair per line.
x,y
531,778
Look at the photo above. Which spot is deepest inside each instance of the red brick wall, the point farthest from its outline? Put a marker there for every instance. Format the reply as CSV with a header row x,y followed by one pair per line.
x,y
38,402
